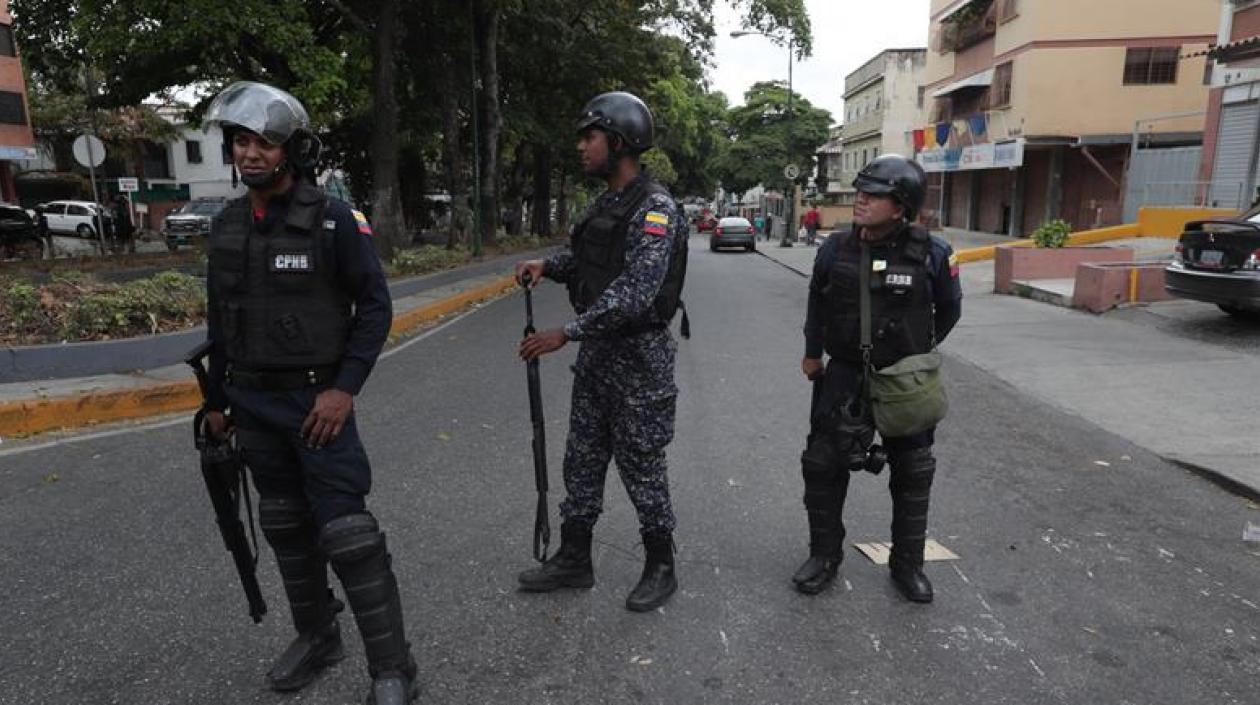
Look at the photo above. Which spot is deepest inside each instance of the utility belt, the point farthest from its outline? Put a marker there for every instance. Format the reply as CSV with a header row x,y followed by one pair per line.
x,y
281,380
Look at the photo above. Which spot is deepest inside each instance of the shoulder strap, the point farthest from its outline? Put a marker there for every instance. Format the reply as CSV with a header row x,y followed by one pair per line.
x,y
306,213
864,301
918,244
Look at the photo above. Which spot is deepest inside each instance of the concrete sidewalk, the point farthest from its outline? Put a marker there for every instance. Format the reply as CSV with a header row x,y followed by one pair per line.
x,y
1193,403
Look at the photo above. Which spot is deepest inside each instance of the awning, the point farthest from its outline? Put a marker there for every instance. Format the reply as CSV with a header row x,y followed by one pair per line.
x,y
984,79
1249,46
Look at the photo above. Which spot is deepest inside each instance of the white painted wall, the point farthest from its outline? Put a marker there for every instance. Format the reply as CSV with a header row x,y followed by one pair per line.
x,y
211,177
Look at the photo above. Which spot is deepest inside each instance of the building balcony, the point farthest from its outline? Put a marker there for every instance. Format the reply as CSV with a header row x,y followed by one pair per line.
x,y
967,25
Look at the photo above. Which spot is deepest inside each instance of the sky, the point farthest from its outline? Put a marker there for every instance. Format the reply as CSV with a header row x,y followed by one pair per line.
x,y
847,34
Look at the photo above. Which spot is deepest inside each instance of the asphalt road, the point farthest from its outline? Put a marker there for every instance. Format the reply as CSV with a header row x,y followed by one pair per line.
x,y
1078,582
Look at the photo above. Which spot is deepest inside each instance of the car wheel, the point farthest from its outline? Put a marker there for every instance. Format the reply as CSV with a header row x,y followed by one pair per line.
x,y
751,248
84,231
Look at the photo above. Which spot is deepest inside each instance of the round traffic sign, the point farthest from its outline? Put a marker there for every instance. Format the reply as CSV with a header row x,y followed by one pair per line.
x,y
791,171
86,156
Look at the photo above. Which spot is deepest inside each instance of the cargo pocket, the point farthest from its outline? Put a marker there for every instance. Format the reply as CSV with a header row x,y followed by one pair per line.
x,y
647,425
288,334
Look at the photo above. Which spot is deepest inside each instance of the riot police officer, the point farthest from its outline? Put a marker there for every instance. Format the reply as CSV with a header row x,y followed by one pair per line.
x,y
298,313
915,300
624,273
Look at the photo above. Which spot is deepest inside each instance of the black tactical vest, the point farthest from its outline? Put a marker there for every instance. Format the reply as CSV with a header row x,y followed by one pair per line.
x,y
599,251
901,299
278,299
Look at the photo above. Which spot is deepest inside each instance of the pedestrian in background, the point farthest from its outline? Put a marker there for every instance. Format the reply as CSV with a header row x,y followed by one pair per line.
x,y
625,275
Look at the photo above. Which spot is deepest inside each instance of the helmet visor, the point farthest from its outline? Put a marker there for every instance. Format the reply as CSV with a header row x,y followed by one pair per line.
x,y
264,110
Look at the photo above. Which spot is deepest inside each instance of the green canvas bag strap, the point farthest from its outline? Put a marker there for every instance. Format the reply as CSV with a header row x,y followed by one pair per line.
x,y
864,306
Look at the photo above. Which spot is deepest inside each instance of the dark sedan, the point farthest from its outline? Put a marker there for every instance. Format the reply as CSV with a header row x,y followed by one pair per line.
x,y
733,232
1218,262
19,235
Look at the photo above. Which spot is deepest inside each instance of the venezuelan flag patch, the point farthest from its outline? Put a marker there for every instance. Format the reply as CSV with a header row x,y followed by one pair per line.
x,y
953,266
656,223
361,220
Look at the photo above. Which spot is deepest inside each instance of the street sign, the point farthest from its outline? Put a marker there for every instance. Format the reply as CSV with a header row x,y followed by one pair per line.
x,y
791,171
85,144
128,184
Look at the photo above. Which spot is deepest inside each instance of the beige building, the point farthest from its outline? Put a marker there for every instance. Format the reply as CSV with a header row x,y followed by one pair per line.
x,y
1031,105
882,103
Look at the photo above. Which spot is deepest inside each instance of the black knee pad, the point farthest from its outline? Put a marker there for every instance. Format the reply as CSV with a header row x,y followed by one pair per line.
x,y
820,459
912,469
352,539
286,520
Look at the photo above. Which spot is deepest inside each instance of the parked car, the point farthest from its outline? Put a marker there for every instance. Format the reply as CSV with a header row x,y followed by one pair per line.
x,y
733,232
191,222
78,218
706,223
19,236
1218,261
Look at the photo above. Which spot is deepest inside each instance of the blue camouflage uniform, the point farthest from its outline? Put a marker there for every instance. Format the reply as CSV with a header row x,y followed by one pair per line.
x,y
623,389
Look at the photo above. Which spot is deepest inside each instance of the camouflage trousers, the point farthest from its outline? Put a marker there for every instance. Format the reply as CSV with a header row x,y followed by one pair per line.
x,y
608,423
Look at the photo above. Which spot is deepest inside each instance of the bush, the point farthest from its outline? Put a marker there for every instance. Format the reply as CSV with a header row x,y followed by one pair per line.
x,y
425,259
21,305
1052,234
166,301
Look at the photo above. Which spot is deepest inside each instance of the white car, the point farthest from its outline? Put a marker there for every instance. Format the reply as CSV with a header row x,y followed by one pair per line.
x,y
73,218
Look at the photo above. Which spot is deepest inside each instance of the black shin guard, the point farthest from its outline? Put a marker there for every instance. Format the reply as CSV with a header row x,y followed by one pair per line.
x,y
355,546
911,486
287,526
826,485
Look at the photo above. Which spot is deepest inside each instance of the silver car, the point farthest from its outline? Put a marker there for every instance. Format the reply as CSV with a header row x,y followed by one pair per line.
x,y
733,232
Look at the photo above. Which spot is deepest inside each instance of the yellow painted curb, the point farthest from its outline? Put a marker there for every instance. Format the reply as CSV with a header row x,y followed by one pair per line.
x,y
27,417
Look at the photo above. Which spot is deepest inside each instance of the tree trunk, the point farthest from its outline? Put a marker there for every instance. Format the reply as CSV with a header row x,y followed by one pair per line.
x,y
515,196
562,204
492,119
540,224
452,147
388,222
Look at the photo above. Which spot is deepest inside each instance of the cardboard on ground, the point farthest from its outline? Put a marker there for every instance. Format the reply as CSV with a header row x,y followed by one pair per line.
x,y
878,551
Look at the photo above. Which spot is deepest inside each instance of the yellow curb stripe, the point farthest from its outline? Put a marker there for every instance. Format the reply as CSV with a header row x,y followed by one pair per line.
x,y
27,417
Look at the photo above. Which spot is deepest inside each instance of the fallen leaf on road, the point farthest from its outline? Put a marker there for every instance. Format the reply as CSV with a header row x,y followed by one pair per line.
x,y
1102,463
1251,533
734,484
1125,458
444,436
51,478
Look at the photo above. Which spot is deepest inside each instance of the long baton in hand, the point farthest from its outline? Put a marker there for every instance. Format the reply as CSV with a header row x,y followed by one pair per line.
x,y
542,528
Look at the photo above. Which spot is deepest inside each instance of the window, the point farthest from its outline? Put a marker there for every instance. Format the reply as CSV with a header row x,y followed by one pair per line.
x,y
72,209
12,110
1000,93
7,46
864,159
922,93
192,150
1150,66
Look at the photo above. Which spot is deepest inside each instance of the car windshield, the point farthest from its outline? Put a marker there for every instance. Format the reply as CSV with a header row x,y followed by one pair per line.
x,y
202,208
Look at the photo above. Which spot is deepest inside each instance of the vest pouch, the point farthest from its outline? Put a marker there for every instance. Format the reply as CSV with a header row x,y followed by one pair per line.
x,y
287,334
909,396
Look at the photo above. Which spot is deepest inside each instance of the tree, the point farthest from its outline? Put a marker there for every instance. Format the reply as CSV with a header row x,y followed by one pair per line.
x,y
764,137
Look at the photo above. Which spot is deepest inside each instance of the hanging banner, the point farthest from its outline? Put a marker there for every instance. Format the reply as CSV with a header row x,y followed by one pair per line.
x,y
1000,155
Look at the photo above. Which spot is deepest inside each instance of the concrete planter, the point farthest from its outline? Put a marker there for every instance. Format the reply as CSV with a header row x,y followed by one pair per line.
x,y
1101,287
1013,264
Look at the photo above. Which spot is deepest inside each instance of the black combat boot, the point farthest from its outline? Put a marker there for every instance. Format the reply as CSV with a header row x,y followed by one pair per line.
x,y
569,567
658,581
287,525
356,548
911,487
826,484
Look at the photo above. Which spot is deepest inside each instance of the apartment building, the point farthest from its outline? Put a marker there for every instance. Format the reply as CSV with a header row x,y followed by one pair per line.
x,y
1231,139
17,141
1031,106
882,102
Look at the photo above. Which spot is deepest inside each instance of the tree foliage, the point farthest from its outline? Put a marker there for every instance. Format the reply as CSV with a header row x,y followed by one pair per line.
x,y
765,137
399,117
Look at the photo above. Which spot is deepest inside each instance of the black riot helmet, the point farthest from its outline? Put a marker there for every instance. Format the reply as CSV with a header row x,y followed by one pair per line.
x,y
621,114
894,175
272,114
